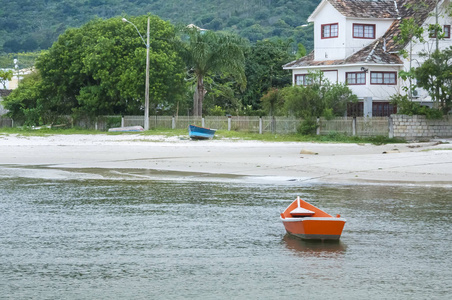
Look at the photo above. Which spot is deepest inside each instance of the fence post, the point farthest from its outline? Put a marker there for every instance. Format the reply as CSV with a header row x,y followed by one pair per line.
x,y
203,123
273,124
96,126
122,121
260,125
229,123
318,126
173,123
391,127
354,126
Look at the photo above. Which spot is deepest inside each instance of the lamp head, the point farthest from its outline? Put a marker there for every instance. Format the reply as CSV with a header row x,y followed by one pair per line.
x,y
124,20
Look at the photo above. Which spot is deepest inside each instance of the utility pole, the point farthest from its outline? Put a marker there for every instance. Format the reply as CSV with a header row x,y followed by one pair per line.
x,y
437,51
16,67
146,96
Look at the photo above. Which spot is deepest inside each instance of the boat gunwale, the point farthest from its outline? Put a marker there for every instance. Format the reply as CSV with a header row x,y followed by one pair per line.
x,y
202,127
312,219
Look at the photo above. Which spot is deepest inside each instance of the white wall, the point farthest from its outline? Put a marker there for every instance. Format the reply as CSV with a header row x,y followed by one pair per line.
x,y
330,48
355,44
427,47
377,92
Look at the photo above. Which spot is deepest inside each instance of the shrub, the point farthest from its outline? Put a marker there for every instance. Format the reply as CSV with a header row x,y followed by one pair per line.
x,y
308,126
407,107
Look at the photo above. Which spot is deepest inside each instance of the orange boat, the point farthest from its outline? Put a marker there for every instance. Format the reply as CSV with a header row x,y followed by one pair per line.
x,y
306,221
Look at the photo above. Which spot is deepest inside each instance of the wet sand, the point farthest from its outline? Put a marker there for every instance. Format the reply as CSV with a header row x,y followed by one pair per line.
x,y
155,157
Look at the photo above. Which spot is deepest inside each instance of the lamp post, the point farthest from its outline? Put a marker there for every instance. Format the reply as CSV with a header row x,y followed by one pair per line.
x,y
146,95
16,67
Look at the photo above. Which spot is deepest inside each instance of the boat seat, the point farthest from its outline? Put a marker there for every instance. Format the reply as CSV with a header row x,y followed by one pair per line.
x,y
301,212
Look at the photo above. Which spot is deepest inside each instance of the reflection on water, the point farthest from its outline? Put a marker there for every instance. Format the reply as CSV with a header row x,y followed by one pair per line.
x,y
306,248
109,239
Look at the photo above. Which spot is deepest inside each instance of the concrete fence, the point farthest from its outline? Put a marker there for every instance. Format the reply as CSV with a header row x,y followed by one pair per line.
x,y
399,126
419,127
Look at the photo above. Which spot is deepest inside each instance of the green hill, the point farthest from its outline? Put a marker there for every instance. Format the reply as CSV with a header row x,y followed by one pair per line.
x,y
30,25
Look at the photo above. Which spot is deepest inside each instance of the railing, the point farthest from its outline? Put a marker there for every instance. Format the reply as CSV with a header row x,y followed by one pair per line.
x,y
360,126
281,125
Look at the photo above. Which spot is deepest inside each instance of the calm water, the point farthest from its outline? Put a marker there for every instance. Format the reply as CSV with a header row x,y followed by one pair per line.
x,y
108,239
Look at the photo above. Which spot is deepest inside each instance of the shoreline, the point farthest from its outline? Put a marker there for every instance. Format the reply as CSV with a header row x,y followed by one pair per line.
x,y
141,157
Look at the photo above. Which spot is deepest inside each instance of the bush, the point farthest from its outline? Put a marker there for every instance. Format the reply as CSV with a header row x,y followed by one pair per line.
x,y
407,107
308,127
113,122
217,111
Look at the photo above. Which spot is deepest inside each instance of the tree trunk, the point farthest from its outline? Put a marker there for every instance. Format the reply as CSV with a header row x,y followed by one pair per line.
x,y
200,92
195,102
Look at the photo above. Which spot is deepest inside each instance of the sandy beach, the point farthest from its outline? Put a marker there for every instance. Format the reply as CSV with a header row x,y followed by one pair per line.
x,y
139,157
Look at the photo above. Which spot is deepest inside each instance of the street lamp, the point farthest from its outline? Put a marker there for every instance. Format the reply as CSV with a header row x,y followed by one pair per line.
x,y
146,95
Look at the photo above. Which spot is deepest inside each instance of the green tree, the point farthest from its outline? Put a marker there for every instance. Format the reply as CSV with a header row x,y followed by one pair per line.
x,y
319,98
301,51
5,75
26,103
222,91
99,69
271,101
435,76
410,33
263,69
207,52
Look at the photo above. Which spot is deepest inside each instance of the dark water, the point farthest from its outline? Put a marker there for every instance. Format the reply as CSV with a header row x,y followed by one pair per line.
x,y
107,239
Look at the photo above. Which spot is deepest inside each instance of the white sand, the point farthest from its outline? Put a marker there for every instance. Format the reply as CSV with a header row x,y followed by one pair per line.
x,y
137,156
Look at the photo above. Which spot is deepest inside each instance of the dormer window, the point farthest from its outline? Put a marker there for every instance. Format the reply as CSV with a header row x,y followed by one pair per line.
x,y
364,31
330,31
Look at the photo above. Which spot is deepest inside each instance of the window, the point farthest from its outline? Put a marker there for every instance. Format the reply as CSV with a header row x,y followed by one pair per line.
x,y
364,31
389,78
445,34
447,31
303,79
330,31
356,78
383,109
379,109
355,109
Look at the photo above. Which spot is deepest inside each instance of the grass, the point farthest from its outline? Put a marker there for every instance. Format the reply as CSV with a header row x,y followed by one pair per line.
x,y
333,137
27,131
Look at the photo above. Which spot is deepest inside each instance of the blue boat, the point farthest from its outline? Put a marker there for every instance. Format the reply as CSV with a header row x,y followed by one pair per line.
x,y
200,133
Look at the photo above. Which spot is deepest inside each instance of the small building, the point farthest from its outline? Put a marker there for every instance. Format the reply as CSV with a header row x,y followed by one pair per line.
x,y
354,44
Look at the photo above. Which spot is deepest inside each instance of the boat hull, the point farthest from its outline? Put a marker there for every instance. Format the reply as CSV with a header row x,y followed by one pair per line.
x,y
315,228
319,225
126,129
200,133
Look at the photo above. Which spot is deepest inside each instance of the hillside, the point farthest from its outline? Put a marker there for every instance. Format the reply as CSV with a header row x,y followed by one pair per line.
x,y
29,25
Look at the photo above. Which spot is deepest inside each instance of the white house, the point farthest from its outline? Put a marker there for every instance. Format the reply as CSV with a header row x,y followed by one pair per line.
x,y
354,44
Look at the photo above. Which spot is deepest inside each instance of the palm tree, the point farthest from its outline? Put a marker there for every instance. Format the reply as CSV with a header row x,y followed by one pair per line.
x,y
206,52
